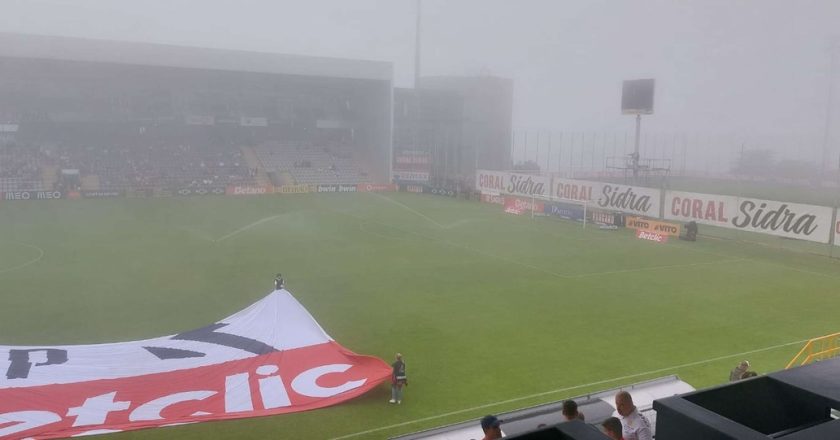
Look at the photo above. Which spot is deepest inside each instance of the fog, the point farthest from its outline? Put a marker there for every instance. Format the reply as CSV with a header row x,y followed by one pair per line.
x,y
731,72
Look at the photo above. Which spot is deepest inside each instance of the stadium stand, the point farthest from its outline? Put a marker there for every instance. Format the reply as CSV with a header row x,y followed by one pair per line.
x,y
126,167
309,164
20,168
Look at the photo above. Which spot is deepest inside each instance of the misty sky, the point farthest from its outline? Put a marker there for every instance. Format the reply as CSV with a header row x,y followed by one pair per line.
x,y
757,67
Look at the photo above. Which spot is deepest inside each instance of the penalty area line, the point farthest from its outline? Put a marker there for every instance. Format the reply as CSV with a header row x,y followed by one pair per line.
x,y
246,227
28,263
409,209
561,390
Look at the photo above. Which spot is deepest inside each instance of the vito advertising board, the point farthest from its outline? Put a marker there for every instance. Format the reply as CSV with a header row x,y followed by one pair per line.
x,y
512,183
609,196
791,220
653,226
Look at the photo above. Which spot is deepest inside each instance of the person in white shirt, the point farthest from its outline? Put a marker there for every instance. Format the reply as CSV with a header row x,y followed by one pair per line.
x,y
634,425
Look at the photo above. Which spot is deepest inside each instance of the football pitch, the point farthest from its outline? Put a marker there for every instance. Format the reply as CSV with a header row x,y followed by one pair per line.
x,y
493,312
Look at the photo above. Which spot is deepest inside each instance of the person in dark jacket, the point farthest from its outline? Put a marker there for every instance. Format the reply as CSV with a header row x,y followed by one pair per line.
x,y
398,380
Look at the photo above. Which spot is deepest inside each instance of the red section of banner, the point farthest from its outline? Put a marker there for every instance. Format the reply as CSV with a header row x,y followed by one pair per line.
x,y
276,383
651,236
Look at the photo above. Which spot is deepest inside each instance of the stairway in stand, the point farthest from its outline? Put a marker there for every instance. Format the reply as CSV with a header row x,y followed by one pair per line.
x,y
253,162
49,176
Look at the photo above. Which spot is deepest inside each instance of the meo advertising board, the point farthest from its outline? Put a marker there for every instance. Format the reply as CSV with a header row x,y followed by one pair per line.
x,y
609,196
512,183
791,220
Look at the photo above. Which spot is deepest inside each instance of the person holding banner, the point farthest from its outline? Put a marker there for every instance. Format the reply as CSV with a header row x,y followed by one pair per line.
x,y
398,380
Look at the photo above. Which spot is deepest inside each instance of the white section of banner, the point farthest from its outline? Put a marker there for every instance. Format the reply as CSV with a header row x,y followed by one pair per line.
x,y
792,220
512,183
277,322
609,196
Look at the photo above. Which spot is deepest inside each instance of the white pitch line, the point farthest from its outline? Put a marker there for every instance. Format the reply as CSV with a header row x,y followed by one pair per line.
x,y
246,227
30,262
643,269
561,390
531,266
409,209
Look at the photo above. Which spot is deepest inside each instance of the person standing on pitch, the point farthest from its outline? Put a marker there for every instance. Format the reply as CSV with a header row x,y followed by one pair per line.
x,y
279,283
398,380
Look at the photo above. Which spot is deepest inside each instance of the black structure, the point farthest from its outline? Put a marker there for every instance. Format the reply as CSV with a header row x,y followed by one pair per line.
x,y
637,96
573,430
796,404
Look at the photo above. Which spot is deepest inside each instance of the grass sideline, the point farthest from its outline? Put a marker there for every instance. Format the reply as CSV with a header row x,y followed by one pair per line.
x,y
485,306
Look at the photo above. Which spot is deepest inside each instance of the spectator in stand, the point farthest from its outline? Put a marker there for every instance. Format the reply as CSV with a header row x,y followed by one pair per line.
x,y
737,372
398,380
570,411
634,425
492,428
612,428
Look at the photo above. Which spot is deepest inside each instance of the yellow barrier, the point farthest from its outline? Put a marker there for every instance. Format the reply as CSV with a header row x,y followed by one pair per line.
x,y
817,349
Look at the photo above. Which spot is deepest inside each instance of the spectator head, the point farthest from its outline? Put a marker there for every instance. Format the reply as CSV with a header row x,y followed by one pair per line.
x,y
570,409
624,403
491,425
612,427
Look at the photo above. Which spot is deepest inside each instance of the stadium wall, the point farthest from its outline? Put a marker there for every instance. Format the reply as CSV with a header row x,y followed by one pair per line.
x,y
805,227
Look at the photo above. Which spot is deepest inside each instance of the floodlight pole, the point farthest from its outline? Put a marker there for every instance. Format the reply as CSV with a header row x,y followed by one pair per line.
x,y
417,46
833,48
635,161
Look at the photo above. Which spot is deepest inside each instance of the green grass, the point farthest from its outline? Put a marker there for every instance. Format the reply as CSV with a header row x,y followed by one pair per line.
x,y
485,306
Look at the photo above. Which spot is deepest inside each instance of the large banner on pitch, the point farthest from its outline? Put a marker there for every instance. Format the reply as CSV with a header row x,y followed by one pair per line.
x,y
791,220
270,358
517,184
608,196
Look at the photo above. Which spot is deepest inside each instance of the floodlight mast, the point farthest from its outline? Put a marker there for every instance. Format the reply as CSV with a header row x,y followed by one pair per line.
x,y
635,160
